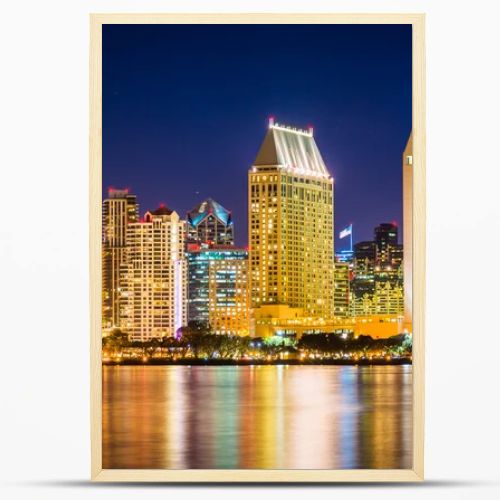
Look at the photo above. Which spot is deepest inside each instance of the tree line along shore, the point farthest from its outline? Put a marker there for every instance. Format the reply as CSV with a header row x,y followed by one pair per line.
x,y
198,345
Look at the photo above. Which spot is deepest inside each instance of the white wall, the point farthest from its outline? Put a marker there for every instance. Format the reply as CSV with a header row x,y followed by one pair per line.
x,y
44,410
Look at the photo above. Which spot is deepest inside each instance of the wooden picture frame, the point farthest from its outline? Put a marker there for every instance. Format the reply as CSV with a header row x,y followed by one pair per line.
x,y
418,109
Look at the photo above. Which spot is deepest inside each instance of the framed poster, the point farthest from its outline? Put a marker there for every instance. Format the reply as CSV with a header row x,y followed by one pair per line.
x,y
257,243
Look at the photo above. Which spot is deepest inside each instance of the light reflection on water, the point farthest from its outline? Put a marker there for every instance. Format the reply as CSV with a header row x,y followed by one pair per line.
x,y
257,417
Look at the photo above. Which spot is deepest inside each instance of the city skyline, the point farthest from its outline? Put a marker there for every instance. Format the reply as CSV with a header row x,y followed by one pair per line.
x,y
368,279
111,190
363,81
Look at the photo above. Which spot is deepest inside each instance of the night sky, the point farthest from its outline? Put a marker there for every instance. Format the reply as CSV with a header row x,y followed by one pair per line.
x,y
186,107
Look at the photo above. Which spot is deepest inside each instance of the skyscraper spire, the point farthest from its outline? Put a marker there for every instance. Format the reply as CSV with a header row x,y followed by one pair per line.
x,y
291,149
209,222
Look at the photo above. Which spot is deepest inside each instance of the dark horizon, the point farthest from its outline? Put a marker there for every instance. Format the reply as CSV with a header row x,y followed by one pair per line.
x,y
185,109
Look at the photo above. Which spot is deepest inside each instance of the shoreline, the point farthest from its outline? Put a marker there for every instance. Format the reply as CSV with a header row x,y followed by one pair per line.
x,y
293,362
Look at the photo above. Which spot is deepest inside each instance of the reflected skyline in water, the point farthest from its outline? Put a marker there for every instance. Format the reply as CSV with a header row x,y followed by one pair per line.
x,y
262,417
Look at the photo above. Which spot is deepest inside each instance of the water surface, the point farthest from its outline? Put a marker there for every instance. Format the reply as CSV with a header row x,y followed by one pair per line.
x,y
257,417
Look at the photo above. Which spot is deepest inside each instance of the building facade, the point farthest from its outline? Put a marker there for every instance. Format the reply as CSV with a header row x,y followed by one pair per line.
x,y
218,294
229,299
342,290
155,292
386,240
377,285
210,223
364,261
119,210
408,233
290,212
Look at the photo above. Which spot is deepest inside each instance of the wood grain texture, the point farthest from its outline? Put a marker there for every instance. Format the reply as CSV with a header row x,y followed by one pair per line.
x,y
419,248
95,214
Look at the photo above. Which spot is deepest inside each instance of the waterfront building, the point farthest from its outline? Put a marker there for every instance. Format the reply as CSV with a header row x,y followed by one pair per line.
x,y
379,326
218,293
388,298
118,210
210,223
342,289
290,193
365,256
229,299
155,301
408,232
378,273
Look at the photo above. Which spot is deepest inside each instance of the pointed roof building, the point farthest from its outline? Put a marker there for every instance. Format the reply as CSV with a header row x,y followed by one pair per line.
x,y
291,149
209,222
207,207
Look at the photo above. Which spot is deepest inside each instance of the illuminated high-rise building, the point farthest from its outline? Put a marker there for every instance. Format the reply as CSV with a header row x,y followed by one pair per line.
x,y
118,210
365,256
210,223
290,194
377,286
229,298
389,262
408,232
218,294
155,302
342,289
386,239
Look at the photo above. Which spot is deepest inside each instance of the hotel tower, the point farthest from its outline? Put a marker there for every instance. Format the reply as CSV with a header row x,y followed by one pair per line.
x,y
118,210
290,206
155,301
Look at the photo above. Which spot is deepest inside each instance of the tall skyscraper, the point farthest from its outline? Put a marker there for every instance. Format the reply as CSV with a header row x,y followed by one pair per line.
x,y
155,276
389,260
408,232
290,194
210,223
118,210
218,293
386,239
